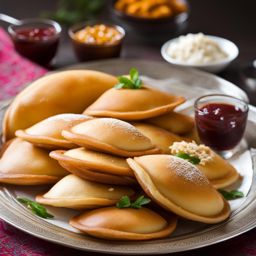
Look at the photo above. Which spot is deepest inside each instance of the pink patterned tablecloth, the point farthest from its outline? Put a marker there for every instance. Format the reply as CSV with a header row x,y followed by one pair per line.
x,y
15,72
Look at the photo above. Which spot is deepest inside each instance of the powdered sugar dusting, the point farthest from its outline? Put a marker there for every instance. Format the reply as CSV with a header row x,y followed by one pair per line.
x,y
187,171
113,123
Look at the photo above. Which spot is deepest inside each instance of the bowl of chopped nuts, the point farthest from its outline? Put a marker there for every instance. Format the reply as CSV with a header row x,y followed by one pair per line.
x,y
96,40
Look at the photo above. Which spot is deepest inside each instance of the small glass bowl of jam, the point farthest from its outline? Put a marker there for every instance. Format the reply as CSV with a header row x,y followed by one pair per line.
x,y
95,40
36,39
221,121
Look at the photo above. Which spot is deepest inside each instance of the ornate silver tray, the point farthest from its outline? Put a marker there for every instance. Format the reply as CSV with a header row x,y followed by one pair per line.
x,y
189,235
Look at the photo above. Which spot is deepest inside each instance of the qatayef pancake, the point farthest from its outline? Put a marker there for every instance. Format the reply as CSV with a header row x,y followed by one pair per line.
x,y
159,137
47,133
95,166
218,171
62,92
174,122
76,193
112,136
22,163
124,224
180,187
133,104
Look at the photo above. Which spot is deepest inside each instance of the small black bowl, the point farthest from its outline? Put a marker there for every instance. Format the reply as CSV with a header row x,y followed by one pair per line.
x,y
85,51
151,27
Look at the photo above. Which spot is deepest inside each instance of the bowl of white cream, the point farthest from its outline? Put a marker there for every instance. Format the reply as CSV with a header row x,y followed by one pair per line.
x,y
209,53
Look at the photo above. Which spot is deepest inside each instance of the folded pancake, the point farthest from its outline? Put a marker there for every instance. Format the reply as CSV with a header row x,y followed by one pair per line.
x,y
180,187
22,163
111,136
124,224
76,193
133,104
218,171
95,166
62,92
174,122
192,136
47,133
159,137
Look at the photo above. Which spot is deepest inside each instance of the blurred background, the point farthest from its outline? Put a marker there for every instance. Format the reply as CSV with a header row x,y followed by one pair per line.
x,y
233,20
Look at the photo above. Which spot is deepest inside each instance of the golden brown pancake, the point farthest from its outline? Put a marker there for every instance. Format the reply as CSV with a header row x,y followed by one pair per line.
x,y
179,187
47,133
95,166
192,136
174,122
218,171
133,104
24,164
62,92
111,136
76,193
159,137
124,224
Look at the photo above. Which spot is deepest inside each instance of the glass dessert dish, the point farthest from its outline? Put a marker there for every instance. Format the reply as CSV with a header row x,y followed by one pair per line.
x,y
36,39
221,121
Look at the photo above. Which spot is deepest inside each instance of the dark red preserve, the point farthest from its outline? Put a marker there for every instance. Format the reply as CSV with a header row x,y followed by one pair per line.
x,y
220,126
38,44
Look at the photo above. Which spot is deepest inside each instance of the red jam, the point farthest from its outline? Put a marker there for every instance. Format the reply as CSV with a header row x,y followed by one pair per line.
x,y
220,126
37,44
36,33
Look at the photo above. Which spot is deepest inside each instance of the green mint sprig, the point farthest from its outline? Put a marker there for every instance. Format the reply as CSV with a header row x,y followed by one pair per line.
x,y
35,207
231,195
134,82
125,202
191,159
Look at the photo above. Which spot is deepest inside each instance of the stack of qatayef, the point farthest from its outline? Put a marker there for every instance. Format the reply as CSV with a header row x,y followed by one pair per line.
x,y
118,147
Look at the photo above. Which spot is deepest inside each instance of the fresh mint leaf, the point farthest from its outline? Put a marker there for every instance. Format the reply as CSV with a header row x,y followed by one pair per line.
x,y
142,200
231,195
134,82
191,159
138,83
23,200
124,202
134,74
126,81
119,86
35,207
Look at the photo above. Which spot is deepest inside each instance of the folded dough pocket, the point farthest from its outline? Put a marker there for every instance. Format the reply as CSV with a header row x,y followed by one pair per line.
x,y
95,166
111,136
128,224
180,187
133,104
76,193
47,133
24,164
